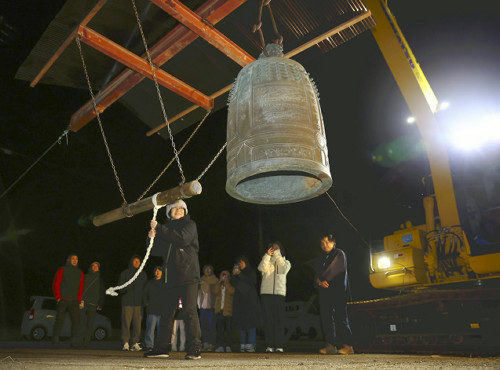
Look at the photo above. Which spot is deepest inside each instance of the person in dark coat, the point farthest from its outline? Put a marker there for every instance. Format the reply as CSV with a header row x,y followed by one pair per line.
x,y
68,289
153,293
246,304
332,283
177,243
132,305
92,300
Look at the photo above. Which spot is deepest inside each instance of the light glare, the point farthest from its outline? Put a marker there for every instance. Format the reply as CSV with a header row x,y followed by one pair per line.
x,y
384,262
477,134
444,105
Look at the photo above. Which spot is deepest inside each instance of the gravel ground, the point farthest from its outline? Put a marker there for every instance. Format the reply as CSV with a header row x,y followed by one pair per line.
x,y
43,358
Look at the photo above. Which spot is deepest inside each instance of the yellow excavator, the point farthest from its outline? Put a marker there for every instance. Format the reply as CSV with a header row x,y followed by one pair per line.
x,y
437,252
443,297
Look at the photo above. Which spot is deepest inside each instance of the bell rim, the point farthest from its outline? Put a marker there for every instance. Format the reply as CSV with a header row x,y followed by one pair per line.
x,y
317,171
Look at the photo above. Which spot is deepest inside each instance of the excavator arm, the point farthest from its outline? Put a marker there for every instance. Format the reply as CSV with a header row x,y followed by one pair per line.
x,y
429,254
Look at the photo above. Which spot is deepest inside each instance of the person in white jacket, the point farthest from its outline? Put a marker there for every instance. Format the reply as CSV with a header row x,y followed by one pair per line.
x,y
274,268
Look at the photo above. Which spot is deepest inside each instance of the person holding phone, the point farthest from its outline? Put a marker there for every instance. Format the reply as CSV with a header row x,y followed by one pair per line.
x,y
274,268
246,308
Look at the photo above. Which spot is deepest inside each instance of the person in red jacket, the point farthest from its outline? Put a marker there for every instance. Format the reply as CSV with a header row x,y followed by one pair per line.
x,y
68,289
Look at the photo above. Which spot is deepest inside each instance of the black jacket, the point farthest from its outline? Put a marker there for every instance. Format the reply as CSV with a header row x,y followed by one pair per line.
x,y
135,291
177,243
332,267
246,303
153,294
93,289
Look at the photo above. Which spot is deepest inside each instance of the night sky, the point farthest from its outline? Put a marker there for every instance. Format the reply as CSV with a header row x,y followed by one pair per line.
x,y
48,213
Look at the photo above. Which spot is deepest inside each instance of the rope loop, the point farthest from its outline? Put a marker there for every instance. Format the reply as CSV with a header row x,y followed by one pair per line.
x,y
112,290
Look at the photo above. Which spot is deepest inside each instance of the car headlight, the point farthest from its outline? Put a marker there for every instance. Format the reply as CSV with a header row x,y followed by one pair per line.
x,y
384,262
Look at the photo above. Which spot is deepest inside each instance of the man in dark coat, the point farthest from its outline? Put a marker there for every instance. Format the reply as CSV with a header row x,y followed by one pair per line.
x,y
92,300
331,281
247,315
177,243
68,288
153,293
132,305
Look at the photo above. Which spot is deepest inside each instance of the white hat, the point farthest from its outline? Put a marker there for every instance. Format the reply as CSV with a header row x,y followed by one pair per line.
x,y
177,203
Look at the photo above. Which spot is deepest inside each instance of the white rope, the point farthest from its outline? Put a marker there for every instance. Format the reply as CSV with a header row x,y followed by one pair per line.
x,y
112,290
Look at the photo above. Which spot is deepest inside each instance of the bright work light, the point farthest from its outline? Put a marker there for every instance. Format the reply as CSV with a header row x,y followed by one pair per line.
x,y
384,262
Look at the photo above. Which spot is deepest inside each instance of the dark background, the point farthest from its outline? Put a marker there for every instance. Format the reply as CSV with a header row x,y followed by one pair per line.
x,y
48,213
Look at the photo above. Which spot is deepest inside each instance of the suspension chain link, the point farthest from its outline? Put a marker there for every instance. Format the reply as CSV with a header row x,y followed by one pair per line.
x,y
158,92
213,160
258,26
172,160
98,115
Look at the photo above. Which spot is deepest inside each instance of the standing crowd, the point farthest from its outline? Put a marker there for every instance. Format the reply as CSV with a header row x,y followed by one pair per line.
x,y
191,311
81,296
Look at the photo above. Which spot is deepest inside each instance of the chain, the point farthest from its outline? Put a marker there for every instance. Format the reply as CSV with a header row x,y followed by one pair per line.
x,y
172,160
98,115
158,92
258,26
213,160
279,39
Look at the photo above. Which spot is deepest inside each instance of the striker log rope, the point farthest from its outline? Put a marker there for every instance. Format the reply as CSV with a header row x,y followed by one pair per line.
x,y
112,290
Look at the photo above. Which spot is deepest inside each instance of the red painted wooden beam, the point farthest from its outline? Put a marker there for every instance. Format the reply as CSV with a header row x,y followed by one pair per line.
x,y
205,30
175,41
135,62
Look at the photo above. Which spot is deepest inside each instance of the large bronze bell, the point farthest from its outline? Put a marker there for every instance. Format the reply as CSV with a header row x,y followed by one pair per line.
x,y
276,144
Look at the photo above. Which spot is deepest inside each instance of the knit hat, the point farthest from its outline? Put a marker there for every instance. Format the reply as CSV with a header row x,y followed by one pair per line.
x,y
177,203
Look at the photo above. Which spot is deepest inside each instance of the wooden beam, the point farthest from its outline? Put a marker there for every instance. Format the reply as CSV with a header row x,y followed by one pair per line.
x,y
167,197
301,48
174,42
205,30
66,42
333,31
135,62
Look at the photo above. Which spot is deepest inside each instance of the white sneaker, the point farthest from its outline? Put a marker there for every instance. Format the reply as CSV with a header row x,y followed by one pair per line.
x,y
219,349
125,347
250,348
242,347
228,349
269,349
279,350
136,347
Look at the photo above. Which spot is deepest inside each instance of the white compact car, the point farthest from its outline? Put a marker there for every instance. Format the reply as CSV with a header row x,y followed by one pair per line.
x,y
38,321
299,323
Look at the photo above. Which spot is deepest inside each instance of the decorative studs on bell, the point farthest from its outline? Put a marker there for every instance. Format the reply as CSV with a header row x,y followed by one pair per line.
x,y
276,143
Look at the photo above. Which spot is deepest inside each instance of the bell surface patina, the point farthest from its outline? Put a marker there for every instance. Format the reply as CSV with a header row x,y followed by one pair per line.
x,y
276,143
